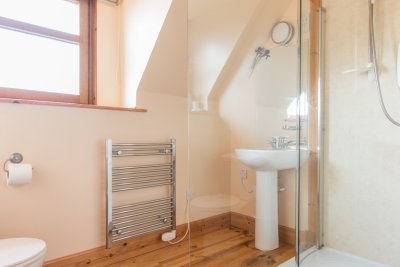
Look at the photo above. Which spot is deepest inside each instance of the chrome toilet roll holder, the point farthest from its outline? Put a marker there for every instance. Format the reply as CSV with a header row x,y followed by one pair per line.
x,y
14,158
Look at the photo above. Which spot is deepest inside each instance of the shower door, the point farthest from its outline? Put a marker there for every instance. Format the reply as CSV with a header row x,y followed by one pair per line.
x,y
361,160
308,230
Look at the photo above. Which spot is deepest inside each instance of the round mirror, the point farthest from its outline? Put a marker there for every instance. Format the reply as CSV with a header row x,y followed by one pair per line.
x,y
282,33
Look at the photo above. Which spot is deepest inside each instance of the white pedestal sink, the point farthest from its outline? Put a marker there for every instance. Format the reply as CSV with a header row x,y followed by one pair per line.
x,y
267,163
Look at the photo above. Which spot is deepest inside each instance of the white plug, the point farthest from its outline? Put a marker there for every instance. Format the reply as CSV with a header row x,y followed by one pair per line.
x,y
168,236
189,195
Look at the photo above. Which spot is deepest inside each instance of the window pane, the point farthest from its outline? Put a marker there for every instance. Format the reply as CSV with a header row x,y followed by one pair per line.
x,y
36,63
58,15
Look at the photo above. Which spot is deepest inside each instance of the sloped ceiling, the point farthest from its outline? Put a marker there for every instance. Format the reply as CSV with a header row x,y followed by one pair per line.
x,y
142,21
168,76
258,30
215,26
220,37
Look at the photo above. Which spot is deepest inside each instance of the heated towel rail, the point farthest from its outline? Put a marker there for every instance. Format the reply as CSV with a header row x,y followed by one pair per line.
x,y
135,219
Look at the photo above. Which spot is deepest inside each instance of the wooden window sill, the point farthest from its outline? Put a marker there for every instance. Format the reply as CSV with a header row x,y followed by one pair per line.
x,y
72,105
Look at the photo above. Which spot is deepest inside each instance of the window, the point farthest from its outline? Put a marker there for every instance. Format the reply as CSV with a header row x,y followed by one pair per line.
x,y
292,110
47,50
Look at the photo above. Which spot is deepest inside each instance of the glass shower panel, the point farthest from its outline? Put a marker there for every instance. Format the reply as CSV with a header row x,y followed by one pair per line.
x,y
309,138
242,93
213,33
361,162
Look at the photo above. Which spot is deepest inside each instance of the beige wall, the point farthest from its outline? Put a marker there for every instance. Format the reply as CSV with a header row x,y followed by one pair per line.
x,y
213,35
232,116
243,110
65,204
254,106
209,162
362,156
131,52
141,24
108,55
169,56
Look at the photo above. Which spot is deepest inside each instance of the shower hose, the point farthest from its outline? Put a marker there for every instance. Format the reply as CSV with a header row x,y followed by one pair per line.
x,y
375,64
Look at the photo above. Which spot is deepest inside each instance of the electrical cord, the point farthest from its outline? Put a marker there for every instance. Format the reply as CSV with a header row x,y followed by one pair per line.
x,y
188,225
249,191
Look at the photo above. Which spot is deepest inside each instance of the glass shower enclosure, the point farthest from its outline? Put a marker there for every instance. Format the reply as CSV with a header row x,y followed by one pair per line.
x,y
347,186
242,96
309,212
316,94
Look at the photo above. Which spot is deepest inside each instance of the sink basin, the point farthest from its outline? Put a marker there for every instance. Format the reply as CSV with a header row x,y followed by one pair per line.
x,y
268,160
267,163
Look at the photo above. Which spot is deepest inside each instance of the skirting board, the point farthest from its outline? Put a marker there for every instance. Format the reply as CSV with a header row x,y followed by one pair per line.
x,y
137,246
130,248
286,235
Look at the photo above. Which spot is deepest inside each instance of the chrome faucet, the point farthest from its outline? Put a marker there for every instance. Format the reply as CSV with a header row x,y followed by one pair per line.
x,y
280,142
283,142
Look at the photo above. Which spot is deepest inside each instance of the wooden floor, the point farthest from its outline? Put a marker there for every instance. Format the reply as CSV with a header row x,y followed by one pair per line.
x,y
225,247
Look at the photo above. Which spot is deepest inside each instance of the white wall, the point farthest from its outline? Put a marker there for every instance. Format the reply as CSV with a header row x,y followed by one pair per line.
x,y
362,156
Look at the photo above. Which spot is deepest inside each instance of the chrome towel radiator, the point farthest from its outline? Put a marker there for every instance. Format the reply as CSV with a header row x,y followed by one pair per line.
x,y
125,172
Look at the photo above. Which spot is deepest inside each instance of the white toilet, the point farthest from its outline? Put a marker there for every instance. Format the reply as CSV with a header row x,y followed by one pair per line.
x,y
22,252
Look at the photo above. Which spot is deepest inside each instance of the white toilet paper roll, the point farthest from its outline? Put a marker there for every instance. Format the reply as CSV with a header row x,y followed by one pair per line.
x,y
19,174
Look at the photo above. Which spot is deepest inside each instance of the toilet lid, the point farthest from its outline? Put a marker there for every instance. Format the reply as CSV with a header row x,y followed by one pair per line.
x,y
17,250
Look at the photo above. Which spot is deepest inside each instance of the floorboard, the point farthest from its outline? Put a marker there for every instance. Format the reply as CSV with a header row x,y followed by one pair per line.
x,y
224,247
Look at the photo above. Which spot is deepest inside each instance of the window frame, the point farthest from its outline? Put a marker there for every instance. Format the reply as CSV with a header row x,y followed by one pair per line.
x,y
87,46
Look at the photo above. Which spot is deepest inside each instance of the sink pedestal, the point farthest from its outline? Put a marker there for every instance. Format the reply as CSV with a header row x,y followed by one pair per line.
x,y
266,210
267,163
